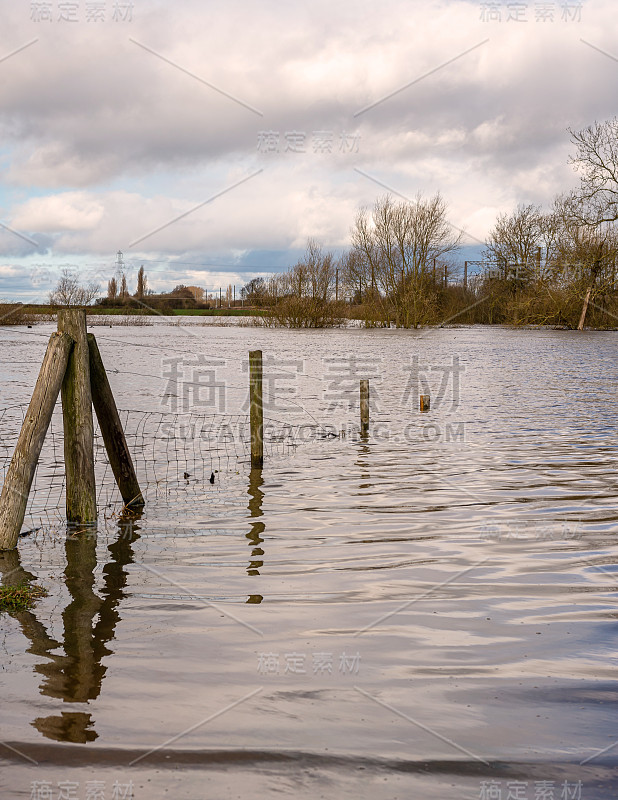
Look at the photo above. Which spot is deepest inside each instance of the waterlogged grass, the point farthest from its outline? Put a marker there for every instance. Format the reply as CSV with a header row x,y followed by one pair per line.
x,y
19,598
217,312
46,311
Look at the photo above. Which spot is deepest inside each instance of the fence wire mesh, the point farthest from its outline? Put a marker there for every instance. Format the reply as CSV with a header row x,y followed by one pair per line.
x,y
173,454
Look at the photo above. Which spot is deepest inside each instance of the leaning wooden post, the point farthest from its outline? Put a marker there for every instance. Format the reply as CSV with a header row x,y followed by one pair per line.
x,y
256,417
81,500
111,429
25,458
364,406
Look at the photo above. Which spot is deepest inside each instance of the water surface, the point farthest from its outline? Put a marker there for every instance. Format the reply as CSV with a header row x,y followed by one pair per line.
x,y
416,613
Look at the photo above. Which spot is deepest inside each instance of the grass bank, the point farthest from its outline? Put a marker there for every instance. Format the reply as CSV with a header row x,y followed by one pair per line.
x,y
19,598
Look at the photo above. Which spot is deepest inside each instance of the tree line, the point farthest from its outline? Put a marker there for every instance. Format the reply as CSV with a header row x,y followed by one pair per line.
x,y
70,291
540,267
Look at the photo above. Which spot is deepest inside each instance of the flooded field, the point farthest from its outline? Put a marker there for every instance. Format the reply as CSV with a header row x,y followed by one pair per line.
x,y
427,612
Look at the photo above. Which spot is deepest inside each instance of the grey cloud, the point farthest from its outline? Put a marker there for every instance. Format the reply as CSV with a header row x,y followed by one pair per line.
x,y
88,108
12,244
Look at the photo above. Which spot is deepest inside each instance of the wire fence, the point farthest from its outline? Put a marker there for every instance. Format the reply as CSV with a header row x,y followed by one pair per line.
x,y
173,454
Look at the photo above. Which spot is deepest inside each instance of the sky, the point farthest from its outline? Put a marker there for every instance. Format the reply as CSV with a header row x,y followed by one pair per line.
x,y
208,140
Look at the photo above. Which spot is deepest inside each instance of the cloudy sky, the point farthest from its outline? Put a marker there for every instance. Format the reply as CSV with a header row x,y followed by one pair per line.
x,y
208,141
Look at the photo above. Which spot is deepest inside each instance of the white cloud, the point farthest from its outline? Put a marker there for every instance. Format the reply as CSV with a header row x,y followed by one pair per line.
x,y
69,211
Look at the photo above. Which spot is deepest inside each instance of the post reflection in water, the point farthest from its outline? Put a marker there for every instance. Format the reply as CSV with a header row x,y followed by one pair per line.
x,y
362,461
76,675
256,496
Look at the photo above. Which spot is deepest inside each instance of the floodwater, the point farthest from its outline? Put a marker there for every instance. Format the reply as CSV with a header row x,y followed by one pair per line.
x,y
427,612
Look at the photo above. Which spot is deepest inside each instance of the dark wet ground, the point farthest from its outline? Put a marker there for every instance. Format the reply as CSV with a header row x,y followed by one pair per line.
x,y
430,612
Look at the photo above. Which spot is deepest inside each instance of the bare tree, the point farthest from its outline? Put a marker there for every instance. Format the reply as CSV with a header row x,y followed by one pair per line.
x,y
352,275
69,291
112,289
124,292
320,268
397,244
568,264
255,292
525,242
304,296
516,237
142,283
586,255
312,276
596,160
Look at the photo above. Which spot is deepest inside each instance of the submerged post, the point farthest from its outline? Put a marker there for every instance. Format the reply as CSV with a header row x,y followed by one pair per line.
x,y
425,402
364,406
256,412
36,422
111,429
81,501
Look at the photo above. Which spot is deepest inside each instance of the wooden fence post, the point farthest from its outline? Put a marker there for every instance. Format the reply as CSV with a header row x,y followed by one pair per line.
x,y
256,417
364,406
111,429
25,458
81,502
